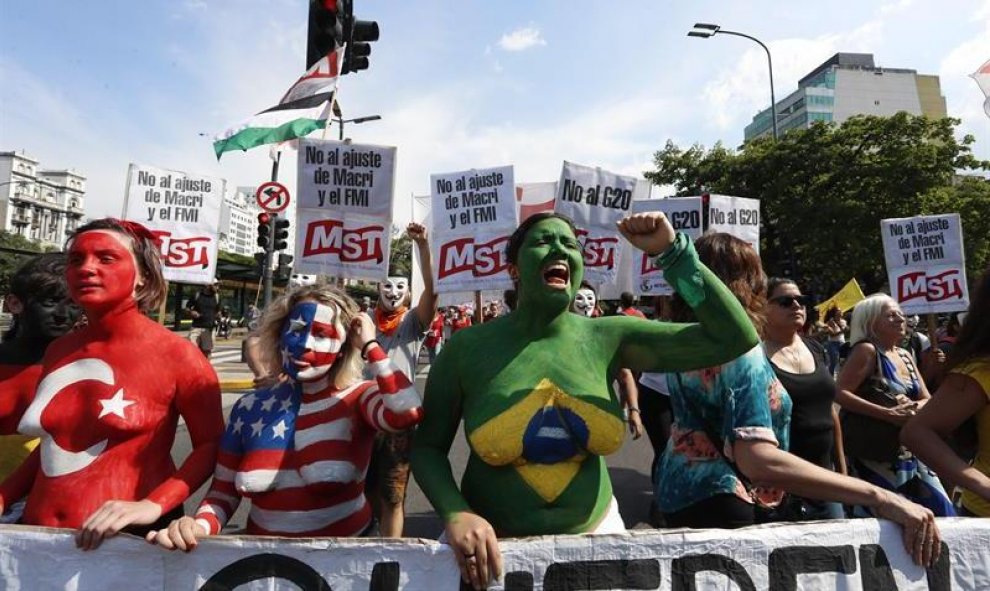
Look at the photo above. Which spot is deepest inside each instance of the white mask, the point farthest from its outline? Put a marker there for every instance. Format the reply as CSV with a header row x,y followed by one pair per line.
x,y
584,302
392,293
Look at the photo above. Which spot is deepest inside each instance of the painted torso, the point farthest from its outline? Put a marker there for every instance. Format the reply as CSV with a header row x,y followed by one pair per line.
x,y
106,419
538,424
17,384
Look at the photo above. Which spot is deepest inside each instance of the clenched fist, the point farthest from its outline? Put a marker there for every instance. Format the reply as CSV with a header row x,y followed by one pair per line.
x,y
650,232
416,232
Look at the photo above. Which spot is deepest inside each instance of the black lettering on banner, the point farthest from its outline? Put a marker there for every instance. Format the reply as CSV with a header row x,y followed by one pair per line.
x,y
682,220
786,564
593,575
685,568
940,575
263,566
875,572
385,576
519,581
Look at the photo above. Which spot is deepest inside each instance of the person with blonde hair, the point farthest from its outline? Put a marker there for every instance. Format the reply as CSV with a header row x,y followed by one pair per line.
x,y
879,390
300,449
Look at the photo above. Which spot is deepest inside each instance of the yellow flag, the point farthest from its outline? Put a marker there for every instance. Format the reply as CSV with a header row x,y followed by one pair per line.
x,y
844,300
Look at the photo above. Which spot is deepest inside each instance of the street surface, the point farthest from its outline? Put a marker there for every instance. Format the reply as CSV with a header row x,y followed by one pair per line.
x,y
629,468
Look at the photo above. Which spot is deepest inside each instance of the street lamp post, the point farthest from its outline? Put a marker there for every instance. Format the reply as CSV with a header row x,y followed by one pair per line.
x,y
356,120
706,30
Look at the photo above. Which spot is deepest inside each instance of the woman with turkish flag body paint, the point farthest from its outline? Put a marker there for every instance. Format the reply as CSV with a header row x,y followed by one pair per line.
x,y
110,397
300,449
534,394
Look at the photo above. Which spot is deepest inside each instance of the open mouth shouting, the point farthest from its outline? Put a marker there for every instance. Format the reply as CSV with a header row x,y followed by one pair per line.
x,y
557,275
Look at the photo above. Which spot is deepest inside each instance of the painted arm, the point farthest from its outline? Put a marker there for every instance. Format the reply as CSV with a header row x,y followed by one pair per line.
x,y
198,400
19,483
426,308
959,397
723,332
393,403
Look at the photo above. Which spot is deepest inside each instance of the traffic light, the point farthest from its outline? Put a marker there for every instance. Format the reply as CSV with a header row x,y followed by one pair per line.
x,y
264,230
284,269
281,234
326,30
261,258
358,35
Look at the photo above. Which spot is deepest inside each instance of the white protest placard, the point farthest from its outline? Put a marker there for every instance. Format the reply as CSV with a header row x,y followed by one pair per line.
x,y
473,214
344,209
182,210
595,200
352,178
350,246
684,214
855,554
534,198
738,216
926,265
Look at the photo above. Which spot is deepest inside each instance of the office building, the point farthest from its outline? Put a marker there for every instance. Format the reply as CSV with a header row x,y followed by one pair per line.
x,y
849,84
42,205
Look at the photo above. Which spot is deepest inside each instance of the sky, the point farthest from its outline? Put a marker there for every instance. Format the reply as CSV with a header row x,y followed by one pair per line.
x,y
459,84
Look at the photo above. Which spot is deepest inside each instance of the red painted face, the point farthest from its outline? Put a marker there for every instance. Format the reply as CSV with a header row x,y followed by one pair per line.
x,y
102,271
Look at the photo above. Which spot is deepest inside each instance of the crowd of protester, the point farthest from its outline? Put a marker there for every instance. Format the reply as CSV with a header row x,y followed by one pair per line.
x,y
756,410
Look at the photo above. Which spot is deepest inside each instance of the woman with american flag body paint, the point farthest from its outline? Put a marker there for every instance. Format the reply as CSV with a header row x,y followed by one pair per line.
x,y
300,450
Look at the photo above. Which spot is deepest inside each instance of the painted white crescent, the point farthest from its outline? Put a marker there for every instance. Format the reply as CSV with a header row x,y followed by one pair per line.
x,y
56,461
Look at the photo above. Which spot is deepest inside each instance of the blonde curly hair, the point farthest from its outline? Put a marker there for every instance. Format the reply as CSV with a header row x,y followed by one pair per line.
x,y
347,368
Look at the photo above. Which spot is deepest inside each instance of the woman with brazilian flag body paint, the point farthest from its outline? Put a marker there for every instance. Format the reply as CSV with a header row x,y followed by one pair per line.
x,y
533,391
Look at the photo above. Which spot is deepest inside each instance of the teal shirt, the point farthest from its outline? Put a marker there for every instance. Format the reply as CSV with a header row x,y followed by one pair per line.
x,y
739,400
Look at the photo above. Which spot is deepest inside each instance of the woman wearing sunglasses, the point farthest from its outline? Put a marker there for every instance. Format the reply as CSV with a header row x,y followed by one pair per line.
x,y
802,367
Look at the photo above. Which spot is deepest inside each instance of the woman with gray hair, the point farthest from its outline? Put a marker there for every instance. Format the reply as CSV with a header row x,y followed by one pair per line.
x,y
880,389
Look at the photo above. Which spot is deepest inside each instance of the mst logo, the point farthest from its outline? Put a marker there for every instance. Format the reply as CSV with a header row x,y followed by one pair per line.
x,y
350,245
481,260
183,252
598,252
933,288
646,265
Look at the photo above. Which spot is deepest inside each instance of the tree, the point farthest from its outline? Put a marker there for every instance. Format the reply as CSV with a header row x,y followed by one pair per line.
x,y
400,260
14,252
824,190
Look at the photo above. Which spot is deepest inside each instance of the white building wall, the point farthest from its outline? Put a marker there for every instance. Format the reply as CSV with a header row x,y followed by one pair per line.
x,y
41,205
864,92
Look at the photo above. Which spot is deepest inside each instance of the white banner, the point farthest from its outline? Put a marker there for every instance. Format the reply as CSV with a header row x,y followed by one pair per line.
x,y
535,198
183,211
855,555
344,209
473,215
595,200
738,216
926,266
684,214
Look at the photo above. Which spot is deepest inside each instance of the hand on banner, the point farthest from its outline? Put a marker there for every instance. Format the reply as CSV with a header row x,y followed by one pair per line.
x,y
417,232
112,517
650,232
182,534
475,548
922,540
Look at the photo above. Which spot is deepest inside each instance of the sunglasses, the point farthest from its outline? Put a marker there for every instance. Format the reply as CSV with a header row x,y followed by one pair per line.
x,y
788,301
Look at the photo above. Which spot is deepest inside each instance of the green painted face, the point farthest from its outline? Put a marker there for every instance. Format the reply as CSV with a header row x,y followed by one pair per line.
x,y
550,265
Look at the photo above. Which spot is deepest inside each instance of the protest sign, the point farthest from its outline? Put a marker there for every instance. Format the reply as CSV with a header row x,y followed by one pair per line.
x,y
857,554
183,212
684,214
344,209
595,200
738,216
534,198
926,266
473,214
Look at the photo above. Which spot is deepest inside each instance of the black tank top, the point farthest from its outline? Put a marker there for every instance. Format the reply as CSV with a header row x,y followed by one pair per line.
x,y
811,416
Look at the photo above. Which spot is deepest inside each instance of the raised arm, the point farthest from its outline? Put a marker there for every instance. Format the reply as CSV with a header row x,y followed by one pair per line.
x,y
426,307
392,404
723,331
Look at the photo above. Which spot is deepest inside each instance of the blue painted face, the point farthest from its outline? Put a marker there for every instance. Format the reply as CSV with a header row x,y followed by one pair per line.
x,y
312,337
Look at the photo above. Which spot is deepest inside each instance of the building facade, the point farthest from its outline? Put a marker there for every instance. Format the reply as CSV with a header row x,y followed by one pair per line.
x,y
849,84
40,204
239,222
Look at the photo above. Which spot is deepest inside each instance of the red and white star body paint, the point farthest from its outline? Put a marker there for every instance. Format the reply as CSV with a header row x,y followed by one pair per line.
x,y
109,399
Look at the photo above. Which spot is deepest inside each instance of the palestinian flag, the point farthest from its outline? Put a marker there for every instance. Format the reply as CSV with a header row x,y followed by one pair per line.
x,y
305,108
